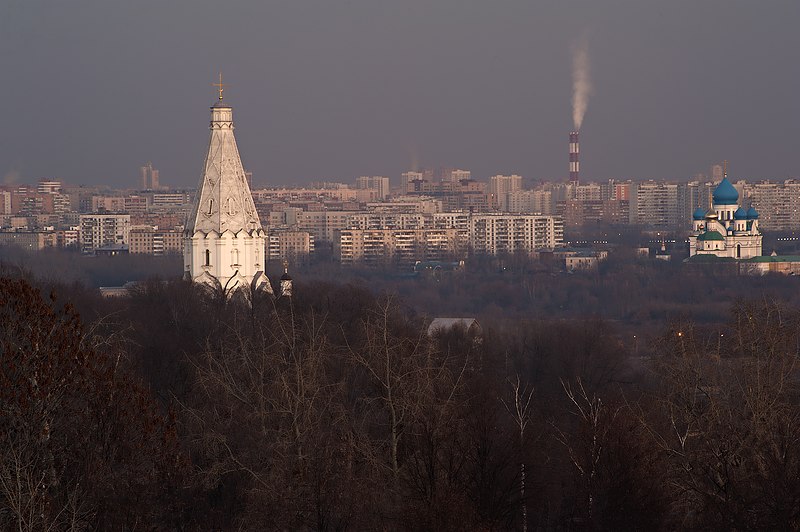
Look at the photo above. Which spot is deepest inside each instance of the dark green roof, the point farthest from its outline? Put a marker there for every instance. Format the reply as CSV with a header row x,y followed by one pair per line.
x,y
711,235
707,257
777,258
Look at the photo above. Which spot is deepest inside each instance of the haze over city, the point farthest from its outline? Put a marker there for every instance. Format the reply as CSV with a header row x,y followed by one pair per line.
x,y
331,91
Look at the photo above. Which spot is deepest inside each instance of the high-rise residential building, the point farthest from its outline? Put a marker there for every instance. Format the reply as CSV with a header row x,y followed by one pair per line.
x,y
135,205
407,179
378,184
149,177
150,240
578,213
500,186
717,172
110,204
778,204
697,194
529,202
509,233
48,186
457,175
659,204
586,191
401,246
621,191
99,230
291,246
171,200
5,201
225,244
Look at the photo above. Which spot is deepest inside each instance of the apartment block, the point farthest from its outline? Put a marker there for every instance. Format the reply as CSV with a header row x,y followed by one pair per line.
x,y
150,240
492,234
402,246
98,230
778,204
292,246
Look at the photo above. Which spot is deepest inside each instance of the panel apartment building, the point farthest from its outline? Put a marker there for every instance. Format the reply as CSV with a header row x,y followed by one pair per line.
x,y
98,230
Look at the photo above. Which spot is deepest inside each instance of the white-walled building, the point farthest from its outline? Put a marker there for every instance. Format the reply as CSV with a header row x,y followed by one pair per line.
x,y
499,188
726,229
378,185
507,233
98,230
224,240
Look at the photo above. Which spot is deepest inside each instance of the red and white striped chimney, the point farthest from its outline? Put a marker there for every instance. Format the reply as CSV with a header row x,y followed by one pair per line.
x,y
574,164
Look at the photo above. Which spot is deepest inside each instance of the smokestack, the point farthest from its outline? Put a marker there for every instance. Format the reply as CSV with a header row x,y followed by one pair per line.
x,y
574,164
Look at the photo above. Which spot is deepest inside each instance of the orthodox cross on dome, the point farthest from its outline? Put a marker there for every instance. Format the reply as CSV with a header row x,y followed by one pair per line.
x,y
220,86
724,165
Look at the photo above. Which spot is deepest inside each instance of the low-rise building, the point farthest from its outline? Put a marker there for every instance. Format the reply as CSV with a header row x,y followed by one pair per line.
x,y
30,240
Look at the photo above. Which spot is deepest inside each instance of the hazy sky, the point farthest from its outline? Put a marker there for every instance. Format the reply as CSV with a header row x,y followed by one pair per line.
x,y
336,89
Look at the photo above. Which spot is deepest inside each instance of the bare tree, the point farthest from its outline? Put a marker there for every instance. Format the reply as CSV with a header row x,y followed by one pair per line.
x,y
520,409
725,416
587,447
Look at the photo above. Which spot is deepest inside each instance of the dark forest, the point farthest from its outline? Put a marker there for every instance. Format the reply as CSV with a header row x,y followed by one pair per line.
x,y
642,396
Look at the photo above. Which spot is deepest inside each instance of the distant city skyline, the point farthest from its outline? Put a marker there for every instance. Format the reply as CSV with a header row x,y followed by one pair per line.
x,y
326,92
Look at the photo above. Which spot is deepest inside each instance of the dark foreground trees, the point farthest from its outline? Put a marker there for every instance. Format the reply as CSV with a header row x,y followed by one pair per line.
x,y
82,445
337,411
726,418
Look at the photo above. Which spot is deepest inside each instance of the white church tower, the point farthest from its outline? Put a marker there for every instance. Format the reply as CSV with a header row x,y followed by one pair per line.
x,y
223,240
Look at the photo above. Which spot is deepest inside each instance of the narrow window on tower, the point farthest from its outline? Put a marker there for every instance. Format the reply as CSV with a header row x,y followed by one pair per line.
x,y
208,257
210,207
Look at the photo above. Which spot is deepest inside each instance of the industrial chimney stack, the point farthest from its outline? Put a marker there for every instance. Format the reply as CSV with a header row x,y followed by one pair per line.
x,y
574,165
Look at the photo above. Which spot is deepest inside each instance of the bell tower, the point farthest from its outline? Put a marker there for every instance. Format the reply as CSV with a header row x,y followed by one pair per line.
x,y
224,241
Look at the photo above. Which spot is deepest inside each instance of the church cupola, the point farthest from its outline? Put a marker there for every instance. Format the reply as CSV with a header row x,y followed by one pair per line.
x,y
286,281
725,193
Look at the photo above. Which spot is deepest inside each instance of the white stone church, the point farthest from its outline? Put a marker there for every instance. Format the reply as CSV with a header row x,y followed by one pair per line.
x,y
224,242
725,229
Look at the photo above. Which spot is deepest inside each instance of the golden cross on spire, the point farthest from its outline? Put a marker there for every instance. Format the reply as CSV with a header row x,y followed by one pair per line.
x,y
725,168
220,86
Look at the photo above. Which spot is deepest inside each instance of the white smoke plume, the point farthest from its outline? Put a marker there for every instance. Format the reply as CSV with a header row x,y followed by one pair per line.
x,y
581,84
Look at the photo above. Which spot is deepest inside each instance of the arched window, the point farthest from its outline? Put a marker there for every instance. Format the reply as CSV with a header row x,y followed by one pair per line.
x,y
234,256
738,251
208,257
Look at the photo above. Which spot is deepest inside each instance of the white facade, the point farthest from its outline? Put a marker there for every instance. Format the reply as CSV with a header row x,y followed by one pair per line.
x,y
505,233
726,229
98,230
378,184
500,186
380,246
223,241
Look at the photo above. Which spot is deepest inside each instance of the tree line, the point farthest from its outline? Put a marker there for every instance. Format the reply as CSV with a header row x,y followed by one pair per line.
x,y
178,408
